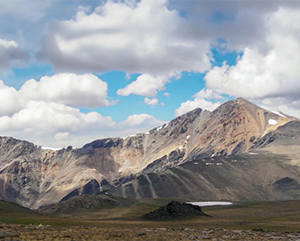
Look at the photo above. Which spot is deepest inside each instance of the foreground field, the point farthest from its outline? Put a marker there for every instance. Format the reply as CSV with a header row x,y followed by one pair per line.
x,y
40,232
245,221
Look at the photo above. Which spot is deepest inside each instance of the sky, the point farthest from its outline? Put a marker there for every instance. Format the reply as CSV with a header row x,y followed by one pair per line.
x,y
72,71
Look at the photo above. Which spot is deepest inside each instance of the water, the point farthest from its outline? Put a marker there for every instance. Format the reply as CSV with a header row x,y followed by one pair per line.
x,y
209,203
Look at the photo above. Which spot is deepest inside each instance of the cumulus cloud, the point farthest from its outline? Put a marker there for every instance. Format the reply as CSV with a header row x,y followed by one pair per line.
x,y
138,123
151,102
241,23
47,117
11,54
9,99
207,94
167,95
52,124
144,85
138,119
70,89
131,36
263,75
196,103
43,112
58,125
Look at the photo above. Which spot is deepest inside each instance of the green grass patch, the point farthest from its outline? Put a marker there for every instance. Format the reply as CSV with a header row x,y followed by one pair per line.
x,y
273,216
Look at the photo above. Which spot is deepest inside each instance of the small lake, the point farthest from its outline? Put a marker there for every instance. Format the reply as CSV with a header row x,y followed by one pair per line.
x,y
210,203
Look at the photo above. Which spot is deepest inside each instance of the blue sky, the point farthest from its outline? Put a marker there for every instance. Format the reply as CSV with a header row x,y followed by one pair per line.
x,y
73,71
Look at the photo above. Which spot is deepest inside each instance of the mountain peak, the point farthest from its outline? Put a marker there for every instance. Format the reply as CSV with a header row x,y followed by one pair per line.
x,y
103,164
235,125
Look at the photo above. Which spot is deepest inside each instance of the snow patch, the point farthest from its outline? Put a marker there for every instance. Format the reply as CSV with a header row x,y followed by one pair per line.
x,y
278,113
166,125
159,128
196,163
272,122
219,164
51,148
180,147
209,163
206,204
128,136
188,137
253,153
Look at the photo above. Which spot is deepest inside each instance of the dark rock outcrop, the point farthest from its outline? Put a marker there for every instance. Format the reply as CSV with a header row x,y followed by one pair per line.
x,y
85,202
175,210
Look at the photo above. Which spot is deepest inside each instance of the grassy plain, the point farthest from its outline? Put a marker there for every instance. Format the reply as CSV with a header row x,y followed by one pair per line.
x,y
123,223
273,216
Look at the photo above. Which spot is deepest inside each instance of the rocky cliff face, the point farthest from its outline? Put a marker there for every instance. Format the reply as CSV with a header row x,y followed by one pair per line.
x,y
32,176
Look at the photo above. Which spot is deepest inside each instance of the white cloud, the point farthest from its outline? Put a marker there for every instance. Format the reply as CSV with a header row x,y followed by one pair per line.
x,y
240,23
73,90
11,54
196,103
9,100
57,125
52,124
273,74
138,119
204,99
69,89
144,85
167,95
287,105
207,94
138,123
43,112
151,102
132,36
47,117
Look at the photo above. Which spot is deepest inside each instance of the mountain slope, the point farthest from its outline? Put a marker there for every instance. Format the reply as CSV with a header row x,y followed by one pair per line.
x,y
32,176
248,177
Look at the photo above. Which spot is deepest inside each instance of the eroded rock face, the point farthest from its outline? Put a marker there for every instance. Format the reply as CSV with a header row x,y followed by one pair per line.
x,y
32,176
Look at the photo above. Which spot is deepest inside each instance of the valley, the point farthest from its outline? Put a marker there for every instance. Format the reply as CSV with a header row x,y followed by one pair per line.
x,y
242,221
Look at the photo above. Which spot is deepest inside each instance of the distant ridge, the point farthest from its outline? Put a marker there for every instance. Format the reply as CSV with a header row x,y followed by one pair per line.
x,y
132,166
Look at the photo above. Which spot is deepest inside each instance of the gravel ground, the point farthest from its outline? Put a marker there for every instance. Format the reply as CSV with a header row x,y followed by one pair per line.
x,y
41,232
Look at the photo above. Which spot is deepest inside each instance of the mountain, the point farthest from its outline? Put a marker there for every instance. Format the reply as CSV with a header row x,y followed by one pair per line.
x,y
177,159
84,203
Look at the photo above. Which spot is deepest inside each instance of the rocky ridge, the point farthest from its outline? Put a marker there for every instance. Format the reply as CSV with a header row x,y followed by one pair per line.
x,y
32,176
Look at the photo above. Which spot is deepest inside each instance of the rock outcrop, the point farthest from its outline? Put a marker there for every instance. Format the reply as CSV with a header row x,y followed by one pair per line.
x,y
175,210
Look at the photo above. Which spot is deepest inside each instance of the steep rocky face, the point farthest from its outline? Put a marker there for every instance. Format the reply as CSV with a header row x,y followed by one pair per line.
x,y
286,135
234,127
32,176
259,176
